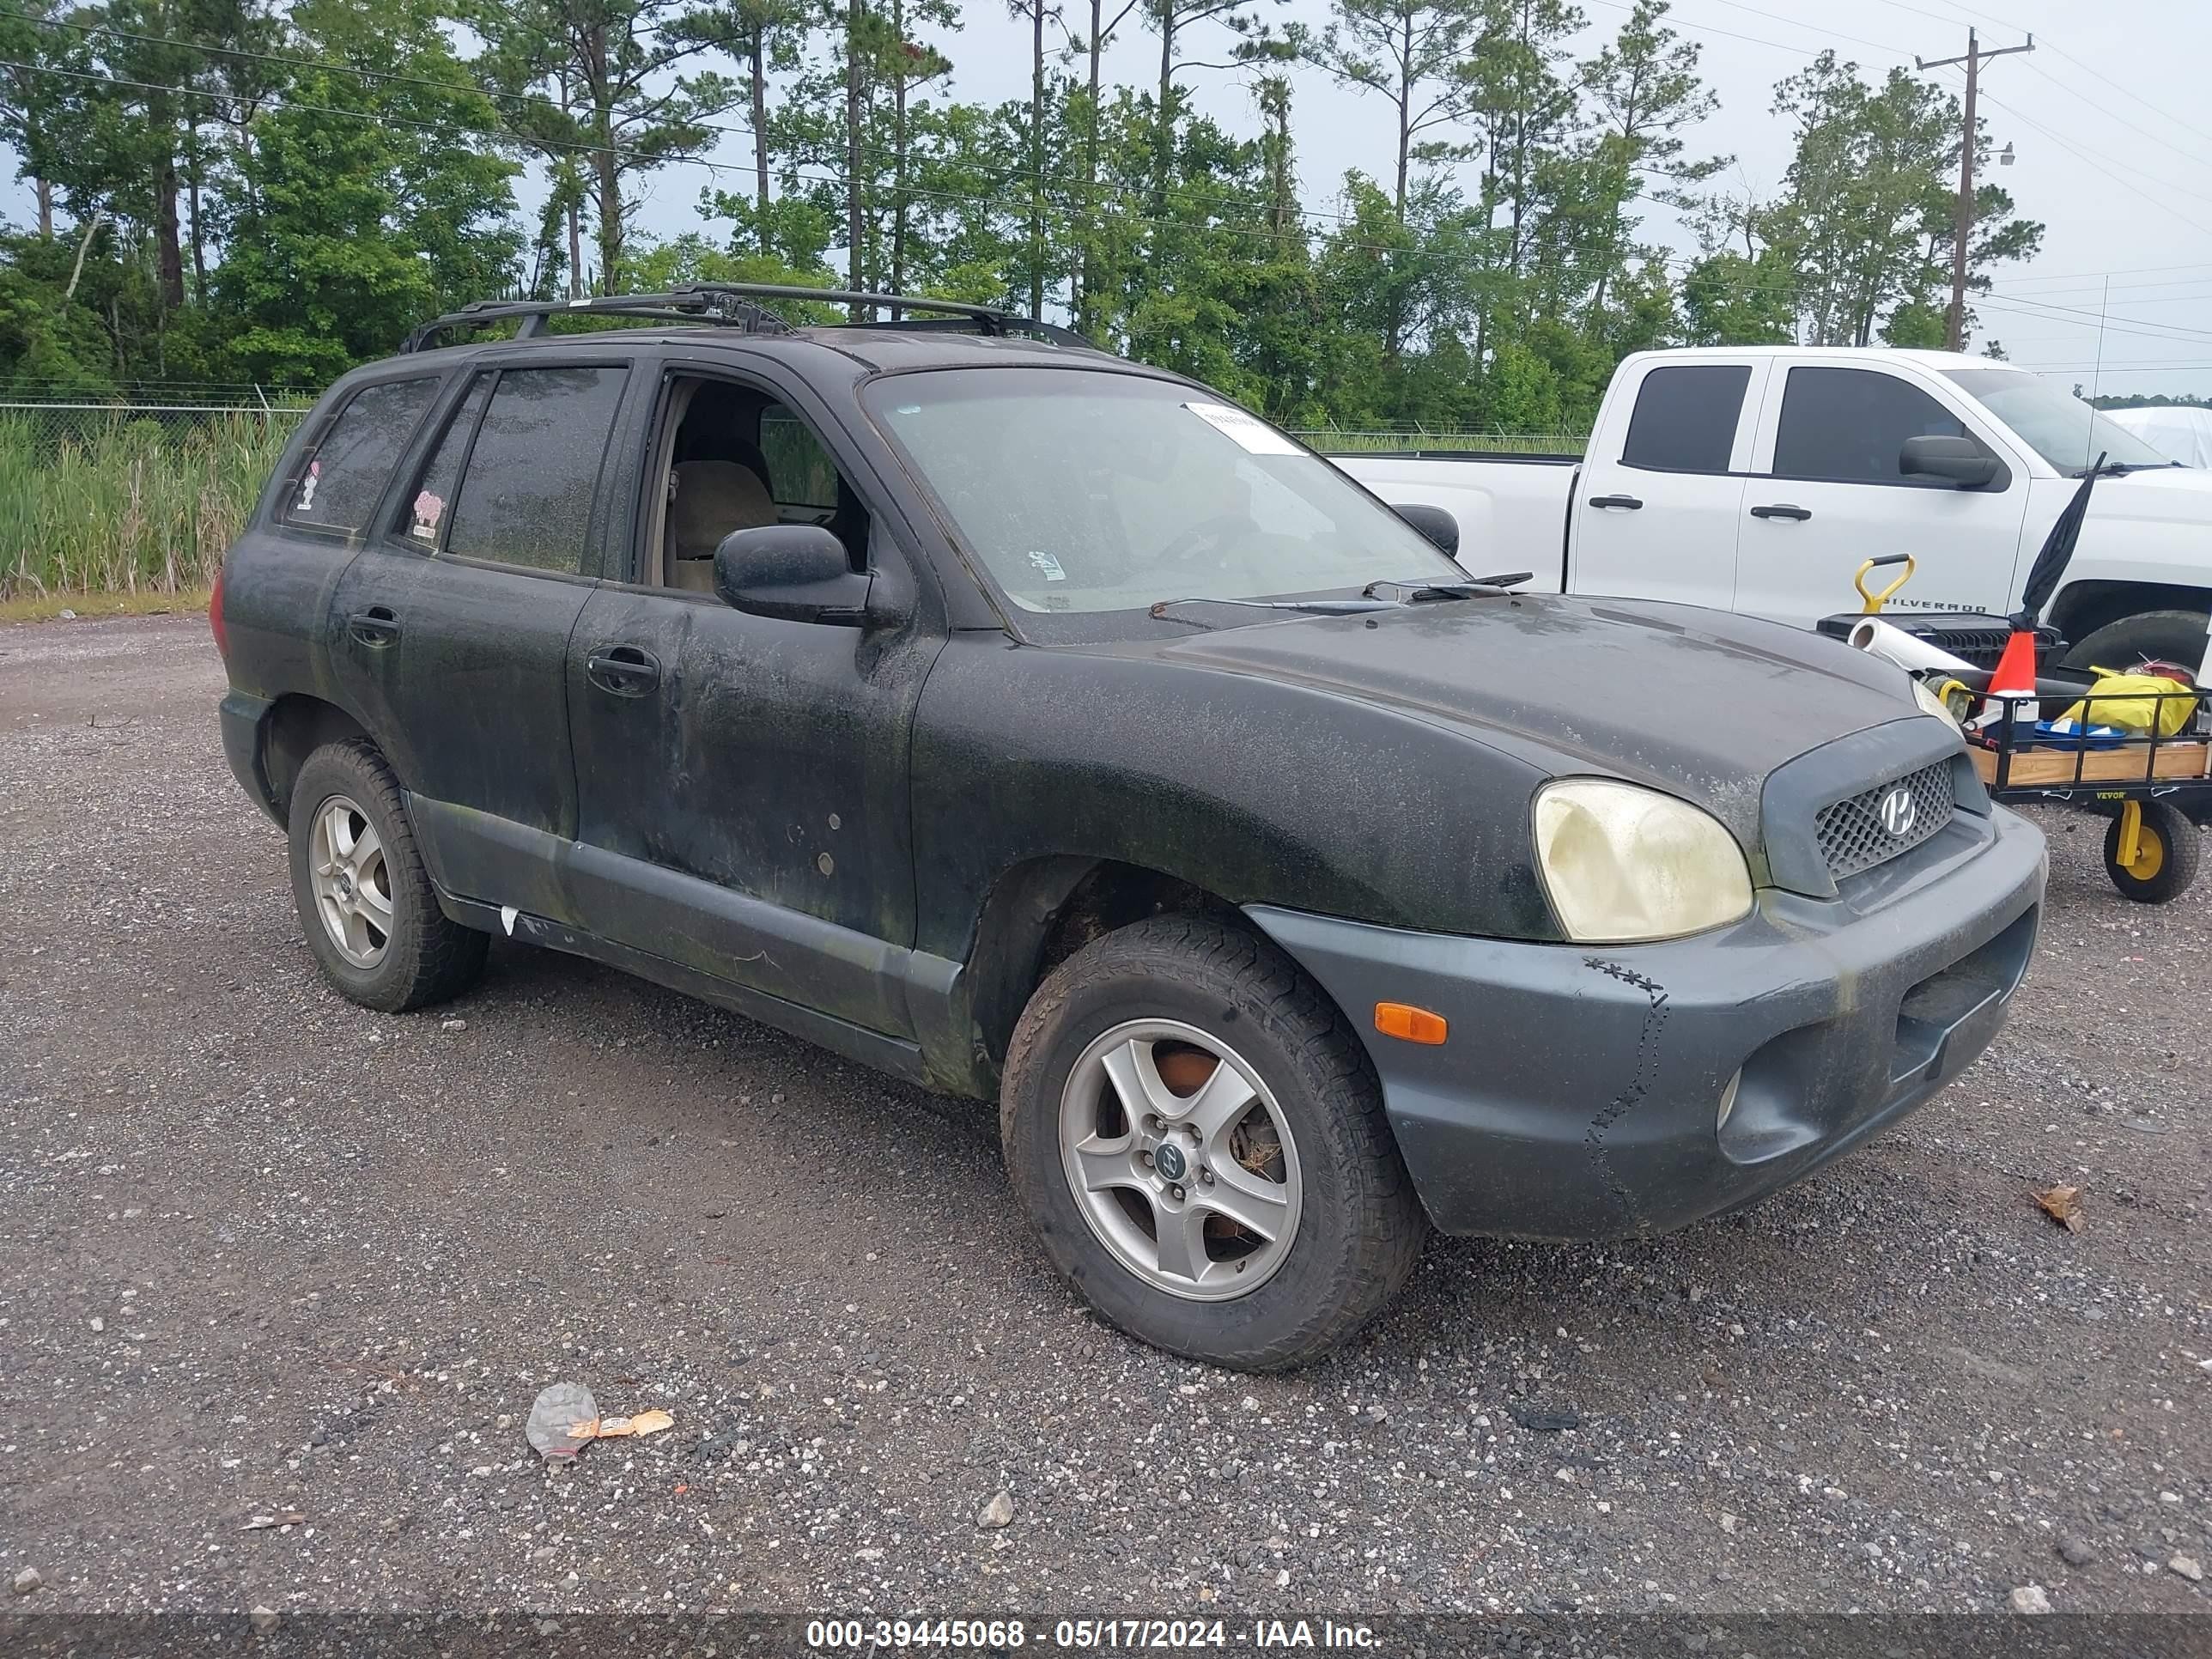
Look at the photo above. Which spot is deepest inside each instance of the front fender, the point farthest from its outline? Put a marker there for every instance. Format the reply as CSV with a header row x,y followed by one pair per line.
x,y
1255,791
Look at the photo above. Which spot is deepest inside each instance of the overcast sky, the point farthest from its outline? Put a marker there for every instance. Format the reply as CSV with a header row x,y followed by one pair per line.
x,y
2108,117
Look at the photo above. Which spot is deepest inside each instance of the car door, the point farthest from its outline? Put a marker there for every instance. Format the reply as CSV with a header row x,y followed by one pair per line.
x,y
494,544
1655,512
1828,494
742,801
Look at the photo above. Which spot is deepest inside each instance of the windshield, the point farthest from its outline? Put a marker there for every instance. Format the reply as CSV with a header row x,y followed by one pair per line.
x,y
1081,493
2065,431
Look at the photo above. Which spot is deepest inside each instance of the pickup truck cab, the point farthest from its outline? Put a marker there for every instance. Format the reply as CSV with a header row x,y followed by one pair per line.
x,y
1757,478
1040,727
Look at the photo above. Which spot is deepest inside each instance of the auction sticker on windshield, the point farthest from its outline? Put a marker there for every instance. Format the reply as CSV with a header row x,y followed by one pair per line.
x,y
1246,431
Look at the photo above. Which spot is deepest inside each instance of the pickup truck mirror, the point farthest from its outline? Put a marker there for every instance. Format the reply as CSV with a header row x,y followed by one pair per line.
x,y
795,572
1433,522
1960,460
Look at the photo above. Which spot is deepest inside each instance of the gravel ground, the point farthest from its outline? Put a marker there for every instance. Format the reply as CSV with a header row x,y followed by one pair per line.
x,y
263,1253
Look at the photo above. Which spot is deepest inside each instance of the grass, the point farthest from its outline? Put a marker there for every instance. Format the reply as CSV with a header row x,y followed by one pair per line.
x,y
109,503
146,601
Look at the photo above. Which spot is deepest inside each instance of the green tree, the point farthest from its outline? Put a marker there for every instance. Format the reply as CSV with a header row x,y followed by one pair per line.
x,y
620,92
353,216
1412,53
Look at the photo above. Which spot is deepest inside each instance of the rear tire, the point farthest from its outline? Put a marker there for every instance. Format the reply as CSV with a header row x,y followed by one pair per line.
x,y
371,915
1329,1225
2175,636
2168,850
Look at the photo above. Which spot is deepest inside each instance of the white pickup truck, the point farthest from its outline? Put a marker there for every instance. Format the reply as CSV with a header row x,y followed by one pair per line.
x,y
1757,479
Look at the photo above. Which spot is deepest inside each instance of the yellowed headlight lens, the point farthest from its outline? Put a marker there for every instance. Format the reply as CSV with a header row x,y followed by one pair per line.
x,y
1622,864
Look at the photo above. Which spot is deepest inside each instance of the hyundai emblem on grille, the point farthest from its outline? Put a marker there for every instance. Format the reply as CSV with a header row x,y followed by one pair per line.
x,y
1898,812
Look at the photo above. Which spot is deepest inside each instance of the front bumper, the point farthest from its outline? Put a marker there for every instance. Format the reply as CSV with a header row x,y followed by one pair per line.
x,y
1577,1095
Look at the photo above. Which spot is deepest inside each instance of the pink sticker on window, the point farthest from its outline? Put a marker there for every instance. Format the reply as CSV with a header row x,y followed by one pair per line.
x,y
429,509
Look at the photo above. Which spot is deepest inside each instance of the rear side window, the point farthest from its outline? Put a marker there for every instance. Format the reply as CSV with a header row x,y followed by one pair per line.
x,y
425,516
1850,425
352,462
526,490
1686,417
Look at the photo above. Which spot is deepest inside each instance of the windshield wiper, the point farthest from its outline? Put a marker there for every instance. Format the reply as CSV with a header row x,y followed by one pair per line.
x,y
1477,587
1311,607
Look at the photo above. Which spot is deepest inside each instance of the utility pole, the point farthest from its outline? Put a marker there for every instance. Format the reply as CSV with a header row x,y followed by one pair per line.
x,y
1955,330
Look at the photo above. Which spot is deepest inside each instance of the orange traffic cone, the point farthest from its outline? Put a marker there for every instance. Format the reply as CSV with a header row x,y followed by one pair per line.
x,y
2015,669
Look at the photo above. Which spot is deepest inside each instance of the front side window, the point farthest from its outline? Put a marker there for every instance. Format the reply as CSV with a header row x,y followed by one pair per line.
x,y
1085,492
525,497
1849,425
1686,417
345,473
2065,431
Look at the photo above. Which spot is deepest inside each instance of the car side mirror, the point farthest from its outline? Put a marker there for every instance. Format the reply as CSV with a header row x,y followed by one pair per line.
x,y
793,572
1960,461
1433,522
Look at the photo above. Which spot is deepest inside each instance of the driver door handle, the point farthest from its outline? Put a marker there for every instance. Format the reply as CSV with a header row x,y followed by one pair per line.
x,y
622,670
1782,510
1629,502
375,627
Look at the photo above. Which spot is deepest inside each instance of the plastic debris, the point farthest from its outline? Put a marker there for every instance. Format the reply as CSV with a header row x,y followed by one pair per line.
x,y
565,1418
2063,1205
286,1518
553,1416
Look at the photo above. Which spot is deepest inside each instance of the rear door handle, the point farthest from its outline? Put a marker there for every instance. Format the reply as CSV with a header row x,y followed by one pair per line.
x,y
1782,510
1628,501
622,670
374,628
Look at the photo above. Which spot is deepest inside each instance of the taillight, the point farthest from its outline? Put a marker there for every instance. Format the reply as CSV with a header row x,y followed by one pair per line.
x,y
214,614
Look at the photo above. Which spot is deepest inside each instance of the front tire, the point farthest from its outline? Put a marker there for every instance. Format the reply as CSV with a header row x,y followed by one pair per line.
x,y
2167,853
371,915
1199,1141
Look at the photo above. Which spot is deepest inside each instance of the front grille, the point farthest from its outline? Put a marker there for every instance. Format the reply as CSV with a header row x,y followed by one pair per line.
x,y
1855,835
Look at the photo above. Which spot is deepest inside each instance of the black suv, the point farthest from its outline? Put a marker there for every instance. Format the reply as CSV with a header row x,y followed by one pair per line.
x,y
1040,726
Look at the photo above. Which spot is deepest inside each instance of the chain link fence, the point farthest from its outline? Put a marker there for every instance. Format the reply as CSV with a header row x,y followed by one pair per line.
x,y
132,495
1429,441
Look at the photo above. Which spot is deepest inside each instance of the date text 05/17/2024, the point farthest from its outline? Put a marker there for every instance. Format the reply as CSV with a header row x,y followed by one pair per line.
x,y
831,1635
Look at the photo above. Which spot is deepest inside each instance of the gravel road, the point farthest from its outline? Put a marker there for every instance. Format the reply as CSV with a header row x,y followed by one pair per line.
x,y
263,1253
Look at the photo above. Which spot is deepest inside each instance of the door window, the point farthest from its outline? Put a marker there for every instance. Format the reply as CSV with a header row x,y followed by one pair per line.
x,y
526,490
1849,425
1686,416
425,516
347,470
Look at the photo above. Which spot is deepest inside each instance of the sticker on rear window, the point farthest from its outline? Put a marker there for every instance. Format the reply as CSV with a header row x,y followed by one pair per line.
x,y
1047,567
1247,431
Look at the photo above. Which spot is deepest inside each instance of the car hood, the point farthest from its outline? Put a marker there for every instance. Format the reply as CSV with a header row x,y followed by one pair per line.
x,y
1700,704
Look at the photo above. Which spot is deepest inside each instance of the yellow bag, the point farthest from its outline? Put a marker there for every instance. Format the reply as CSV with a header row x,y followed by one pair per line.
x,y
2131,701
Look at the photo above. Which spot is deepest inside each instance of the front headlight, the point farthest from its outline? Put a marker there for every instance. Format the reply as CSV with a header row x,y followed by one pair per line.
x,y
1621,864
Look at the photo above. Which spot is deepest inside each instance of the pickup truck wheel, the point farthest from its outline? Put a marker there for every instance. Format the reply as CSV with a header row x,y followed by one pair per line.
x,y
2167,854
364,898
1201,1143
2174,636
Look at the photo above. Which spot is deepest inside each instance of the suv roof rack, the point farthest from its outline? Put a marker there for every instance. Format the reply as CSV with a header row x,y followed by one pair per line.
x,y
733,305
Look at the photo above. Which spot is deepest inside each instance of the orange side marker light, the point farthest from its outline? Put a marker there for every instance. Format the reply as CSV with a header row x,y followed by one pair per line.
x,y
1410,1024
